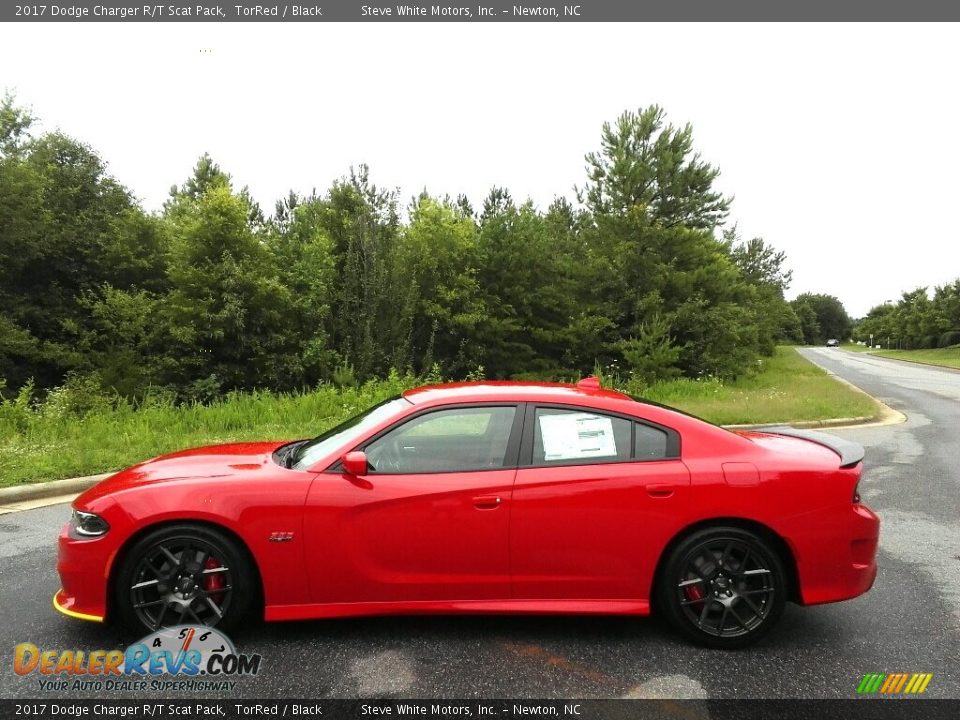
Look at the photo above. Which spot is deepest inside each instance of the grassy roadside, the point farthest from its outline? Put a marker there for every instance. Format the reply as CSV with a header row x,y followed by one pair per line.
x,y
787,389
51,445
946,357
47,442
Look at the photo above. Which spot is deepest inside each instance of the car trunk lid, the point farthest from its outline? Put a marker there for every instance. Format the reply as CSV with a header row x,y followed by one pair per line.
x,y
849,453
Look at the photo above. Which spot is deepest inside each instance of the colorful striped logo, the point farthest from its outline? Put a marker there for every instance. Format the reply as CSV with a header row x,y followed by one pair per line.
x,y
894,683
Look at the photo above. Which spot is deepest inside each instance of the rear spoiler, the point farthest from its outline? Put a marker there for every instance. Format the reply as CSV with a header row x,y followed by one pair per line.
x,y
850,453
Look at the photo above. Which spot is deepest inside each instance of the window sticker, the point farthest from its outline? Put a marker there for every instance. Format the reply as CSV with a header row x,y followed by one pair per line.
x,y
571,436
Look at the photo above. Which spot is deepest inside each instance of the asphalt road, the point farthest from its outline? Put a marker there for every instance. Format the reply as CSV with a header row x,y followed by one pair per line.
x,y
909,622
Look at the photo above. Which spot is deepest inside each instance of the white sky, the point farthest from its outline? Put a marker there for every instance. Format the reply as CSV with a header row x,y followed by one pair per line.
x,y
840,143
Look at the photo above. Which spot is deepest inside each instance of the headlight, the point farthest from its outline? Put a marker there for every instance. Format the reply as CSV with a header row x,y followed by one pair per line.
x,y
88,524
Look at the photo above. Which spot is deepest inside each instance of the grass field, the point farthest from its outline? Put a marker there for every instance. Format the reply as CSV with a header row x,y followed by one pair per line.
x,y
787,389
47,441
947,357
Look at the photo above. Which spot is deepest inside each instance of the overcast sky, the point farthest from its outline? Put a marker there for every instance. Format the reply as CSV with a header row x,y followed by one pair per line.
x,y
840,143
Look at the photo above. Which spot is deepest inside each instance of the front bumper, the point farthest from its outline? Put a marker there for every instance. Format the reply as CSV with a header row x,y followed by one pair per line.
x,y
83,565
64,604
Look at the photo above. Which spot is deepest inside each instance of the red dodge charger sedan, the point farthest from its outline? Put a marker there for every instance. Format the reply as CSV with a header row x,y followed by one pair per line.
x,y
488,497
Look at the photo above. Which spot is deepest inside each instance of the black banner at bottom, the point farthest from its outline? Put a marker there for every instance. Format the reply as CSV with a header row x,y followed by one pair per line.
x,y
858,709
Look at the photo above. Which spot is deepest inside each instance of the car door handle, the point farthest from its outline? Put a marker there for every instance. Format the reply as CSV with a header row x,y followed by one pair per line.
x,y
486,502
660,490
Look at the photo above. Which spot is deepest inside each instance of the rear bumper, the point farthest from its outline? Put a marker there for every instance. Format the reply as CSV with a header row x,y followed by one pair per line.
x,y
837,559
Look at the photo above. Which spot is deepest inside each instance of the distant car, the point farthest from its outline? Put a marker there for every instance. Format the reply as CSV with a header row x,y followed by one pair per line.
x,y
493,497
833,343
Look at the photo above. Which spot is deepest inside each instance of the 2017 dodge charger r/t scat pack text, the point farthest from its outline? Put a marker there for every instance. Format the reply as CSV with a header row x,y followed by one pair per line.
x,y
481,498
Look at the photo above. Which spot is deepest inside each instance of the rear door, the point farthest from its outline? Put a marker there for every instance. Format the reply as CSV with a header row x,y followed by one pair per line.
x,y
596,497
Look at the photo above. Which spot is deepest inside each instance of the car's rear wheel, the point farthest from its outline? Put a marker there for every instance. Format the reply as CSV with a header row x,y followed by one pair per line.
x,y
184,574
723,586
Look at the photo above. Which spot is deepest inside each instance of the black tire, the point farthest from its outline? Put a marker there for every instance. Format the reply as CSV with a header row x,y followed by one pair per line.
x,y
184,574
723,587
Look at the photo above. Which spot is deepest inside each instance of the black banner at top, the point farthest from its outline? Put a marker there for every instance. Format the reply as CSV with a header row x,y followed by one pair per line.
x,y
479,11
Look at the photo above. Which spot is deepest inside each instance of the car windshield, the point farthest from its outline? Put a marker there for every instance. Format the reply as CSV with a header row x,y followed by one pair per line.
x,y
345,433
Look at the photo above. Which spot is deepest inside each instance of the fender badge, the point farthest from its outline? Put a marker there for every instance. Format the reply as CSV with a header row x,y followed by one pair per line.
x,y
280,537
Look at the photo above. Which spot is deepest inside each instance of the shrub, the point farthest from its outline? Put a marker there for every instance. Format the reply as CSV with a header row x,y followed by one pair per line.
x,y
16,414
344,375
79,396
950,338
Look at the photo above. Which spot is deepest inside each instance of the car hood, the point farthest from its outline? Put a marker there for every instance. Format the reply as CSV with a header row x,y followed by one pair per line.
x,y
209,463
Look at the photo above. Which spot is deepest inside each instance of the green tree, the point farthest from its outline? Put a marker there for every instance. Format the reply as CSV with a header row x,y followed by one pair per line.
x,y
651,355
655,260
15,123
303,252
648,163
763,268
440,306
879,322
527,273
66,229
831,318
228,314
810,332
946,298
363,225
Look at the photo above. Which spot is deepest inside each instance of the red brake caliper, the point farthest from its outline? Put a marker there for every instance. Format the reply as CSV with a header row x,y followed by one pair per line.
x,y
214,581
693,592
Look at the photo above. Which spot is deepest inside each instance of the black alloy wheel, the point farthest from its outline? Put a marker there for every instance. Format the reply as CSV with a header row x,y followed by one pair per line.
x,y
184,574
724,587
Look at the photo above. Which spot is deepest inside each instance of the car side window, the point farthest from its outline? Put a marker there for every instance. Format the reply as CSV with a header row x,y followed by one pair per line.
x,y
649,443
453,440
573,436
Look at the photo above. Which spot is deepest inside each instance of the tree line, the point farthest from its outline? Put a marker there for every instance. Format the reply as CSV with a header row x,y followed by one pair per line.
x,y
915,321
641,274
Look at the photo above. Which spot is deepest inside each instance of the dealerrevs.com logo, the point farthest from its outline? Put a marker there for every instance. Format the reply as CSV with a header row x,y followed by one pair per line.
x,y
199,657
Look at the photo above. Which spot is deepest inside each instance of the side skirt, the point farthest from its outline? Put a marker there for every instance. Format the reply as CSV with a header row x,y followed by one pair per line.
x,y
474,607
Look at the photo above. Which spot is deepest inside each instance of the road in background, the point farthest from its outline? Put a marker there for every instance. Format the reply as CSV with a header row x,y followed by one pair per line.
x,y
909,622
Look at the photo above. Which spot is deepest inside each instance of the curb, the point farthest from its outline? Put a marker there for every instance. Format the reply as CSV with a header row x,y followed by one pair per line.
x,y
54,488
806,424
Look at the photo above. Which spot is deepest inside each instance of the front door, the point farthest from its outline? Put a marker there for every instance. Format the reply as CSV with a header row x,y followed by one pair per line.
x,y
429,521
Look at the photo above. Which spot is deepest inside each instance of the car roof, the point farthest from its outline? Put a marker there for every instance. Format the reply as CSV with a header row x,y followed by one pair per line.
x,y
514,391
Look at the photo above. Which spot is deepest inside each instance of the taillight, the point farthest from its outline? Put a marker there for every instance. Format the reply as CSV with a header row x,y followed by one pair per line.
x,y
856,492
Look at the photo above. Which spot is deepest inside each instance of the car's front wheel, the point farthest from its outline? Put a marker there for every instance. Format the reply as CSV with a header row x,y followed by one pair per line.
x,y
723,586
184,574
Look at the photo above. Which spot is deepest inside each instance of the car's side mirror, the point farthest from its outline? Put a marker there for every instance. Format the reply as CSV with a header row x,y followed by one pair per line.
x,y
355,463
